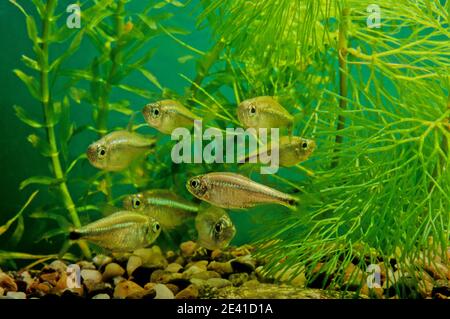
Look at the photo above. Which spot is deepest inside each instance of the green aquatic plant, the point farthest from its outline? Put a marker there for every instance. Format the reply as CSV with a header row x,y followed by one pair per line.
x,y
376,99
123,47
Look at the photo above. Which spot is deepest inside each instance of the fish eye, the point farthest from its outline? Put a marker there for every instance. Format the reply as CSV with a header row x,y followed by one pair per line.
x,y
156,227
252,110
218,228
156,112
194,183
304,145
101,152
136,202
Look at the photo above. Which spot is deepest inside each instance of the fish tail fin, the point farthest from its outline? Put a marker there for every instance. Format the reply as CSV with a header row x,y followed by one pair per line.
x,y
75,235
292,203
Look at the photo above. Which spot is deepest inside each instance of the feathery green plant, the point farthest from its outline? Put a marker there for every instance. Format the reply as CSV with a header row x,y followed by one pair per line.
x,y
377,102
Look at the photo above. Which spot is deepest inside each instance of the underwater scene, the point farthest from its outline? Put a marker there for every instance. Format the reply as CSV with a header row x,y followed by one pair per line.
x,y
234,149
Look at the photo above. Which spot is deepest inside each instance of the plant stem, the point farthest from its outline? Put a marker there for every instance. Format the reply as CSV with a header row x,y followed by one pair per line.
x,y
51,137
343,86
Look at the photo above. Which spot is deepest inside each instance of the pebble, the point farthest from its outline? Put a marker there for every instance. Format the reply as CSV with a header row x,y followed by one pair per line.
x,y
353,277
375,292
174,288
58,265
16,295
188,273
188,248
293,276
127,289
91,275
50,277
243,264
238,279
101,260
190,292
101,296
97,288
441,287
223,268
198,282
86,265
174,267
133,263
218,282
205,275
7,283
112,270
118,279
162,276
162,292
152,257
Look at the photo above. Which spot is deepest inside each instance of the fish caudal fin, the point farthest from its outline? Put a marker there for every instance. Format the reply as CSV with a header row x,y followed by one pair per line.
x,y
74,235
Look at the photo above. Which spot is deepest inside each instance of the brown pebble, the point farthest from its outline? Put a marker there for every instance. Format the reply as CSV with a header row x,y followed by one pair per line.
x,y
205,275
112,270
7,283
188,248
190,292
52,278
173,288
174,267
128,288
222,268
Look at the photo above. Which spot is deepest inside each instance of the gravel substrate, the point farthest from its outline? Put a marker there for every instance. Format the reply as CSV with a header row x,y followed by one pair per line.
x,y
193,272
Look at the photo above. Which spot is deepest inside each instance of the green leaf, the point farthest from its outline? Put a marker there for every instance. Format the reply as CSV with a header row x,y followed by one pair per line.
x,y
40,180
151,77
41,145
54,114
52,233
6,255
5,227
24,117
30,82
184,59
32,29
77,94
18,232
135,90
122,106
32,64
39,7
62,221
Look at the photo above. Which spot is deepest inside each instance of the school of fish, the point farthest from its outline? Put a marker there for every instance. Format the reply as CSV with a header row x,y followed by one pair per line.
x,y
148,213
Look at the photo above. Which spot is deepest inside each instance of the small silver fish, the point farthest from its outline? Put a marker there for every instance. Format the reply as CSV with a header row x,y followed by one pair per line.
x,y
230,190
168,208
167,115
120,232
292,150
117,150
263,112
215,228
